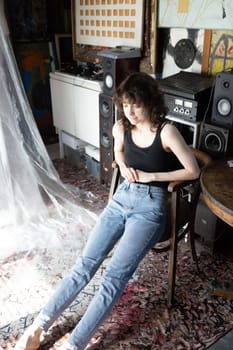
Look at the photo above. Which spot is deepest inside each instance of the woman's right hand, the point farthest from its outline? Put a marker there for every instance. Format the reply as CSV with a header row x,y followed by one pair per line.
x,y
129,174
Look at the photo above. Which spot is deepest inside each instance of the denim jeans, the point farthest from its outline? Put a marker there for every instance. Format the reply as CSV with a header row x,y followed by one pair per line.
x,y
134,219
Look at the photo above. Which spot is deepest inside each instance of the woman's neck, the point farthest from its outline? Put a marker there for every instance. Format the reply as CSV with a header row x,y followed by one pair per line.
x,y
143,136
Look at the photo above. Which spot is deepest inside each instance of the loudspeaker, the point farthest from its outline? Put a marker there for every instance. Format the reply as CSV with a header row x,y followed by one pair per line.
x,y
214,234
222,108
208,227
215,140
205,225
107,118
116,70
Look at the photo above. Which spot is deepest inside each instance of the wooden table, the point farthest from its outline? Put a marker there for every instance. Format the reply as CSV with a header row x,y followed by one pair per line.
x,y
217,188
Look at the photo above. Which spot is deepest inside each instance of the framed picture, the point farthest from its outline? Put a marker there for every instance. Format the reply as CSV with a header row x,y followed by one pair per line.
x,y
144,19
221,51
199,14
109,23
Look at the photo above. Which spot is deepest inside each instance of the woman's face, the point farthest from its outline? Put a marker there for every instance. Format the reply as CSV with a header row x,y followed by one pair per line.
x,y
134,113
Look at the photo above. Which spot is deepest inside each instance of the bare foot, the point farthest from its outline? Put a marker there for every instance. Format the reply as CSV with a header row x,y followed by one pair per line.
x,y
93,343
62,344
30,340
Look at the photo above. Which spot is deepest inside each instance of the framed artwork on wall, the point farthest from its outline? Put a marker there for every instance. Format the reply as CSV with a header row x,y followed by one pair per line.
x,y
146,31
199,14
221,51
109,23
180,49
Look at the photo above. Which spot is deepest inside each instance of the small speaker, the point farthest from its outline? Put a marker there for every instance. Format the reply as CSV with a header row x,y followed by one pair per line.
x,y
209,228
205,224
222,108
116,70
215,140
107,119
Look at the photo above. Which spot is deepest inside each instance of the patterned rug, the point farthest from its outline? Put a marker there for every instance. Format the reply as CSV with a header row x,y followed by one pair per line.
x,y
141,319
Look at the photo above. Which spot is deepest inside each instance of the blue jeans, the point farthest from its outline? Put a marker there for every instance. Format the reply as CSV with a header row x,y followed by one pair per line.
x,y
135,219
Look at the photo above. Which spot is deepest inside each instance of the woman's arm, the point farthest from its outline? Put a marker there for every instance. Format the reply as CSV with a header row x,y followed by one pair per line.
x,y
173,141
118,133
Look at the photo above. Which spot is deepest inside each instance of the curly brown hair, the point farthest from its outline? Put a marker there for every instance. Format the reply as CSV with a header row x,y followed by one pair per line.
x,y
143,90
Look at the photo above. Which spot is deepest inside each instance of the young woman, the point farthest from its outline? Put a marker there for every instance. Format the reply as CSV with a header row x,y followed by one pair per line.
x,y
150,152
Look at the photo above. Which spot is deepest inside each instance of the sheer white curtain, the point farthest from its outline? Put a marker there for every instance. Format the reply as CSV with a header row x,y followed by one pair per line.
x,y
34,204
43,223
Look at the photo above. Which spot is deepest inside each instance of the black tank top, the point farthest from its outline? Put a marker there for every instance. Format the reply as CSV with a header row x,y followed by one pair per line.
x,y
150,159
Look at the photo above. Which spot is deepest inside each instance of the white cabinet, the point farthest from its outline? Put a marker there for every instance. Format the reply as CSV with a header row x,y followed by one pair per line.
x,y
86,113
75,106
62,94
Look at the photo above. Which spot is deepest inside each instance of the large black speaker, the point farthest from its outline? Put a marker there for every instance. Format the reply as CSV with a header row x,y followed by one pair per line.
x,y
205,225
212,232
222,108
107,119
215,140
117,63
116,70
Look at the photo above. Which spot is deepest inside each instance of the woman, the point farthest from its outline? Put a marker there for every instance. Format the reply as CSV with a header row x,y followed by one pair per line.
x,y
147,150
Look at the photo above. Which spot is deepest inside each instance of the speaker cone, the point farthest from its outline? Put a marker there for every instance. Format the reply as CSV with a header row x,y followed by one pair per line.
x,y
109,81
105,108
224,107
105,140
214,142
222,111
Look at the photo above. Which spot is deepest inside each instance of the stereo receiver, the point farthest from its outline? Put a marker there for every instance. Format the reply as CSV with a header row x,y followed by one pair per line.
x,y
187,95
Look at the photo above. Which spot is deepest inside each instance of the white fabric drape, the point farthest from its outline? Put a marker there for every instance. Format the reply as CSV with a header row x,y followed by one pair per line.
x,y
28,179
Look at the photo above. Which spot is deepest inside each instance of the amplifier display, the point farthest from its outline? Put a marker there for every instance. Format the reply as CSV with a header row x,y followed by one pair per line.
x,y
183,108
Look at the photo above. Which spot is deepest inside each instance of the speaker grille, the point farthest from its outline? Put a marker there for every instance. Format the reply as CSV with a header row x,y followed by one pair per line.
x,y
222,111
116,70
215,140
107,118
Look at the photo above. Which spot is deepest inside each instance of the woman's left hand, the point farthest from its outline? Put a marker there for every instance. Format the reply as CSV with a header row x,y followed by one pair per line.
x,y
144,176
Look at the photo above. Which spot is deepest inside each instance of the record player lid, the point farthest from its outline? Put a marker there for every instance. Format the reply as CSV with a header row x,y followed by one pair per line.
x,y
186,84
